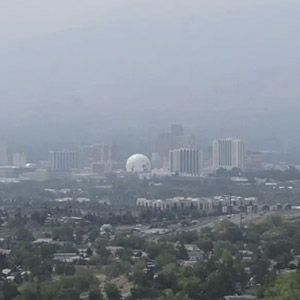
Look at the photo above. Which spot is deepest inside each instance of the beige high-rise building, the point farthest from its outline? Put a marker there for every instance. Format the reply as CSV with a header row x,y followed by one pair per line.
x,y
228,153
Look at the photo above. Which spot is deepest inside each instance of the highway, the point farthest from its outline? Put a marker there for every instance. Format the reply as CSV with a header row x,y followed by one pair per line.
x,y
235,218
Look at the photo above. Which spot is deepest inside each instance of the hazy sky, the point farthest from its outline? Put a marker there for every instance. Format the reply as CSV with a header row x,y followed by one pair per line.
x,y
191,61
22,19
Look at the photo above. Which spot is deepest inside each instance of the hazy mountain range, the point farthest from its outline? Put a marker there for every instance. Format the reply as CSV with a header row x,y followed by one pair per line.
x,y
234,74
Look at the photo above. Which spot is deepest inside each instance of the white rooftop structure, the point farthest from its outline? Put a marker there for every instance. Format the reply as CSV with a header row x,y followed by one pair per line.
x,y
138,163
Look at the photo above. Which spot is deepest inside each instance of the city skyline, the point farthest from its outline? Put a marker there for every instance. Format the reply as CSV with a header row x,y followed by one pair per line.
x,y
149,150
91,161
100,152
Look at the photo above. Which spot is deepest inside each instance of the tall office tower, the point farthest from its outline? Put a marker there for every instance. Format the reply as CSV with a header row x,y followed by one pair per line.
x,y
156,161
184,141
163,144
19,160
185,161
3,154
228,153
85,156
253,161
63,160
175,139
177,129
103,153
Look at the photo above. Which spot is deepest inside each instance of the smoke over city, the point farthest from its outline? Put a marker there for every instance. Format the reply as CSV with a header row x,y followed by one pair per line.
x,y
220,69
149,150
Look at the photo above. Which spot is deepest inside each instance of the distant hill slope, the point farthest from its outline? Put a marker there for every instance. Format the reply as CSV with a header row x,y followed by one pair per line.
x,y
218,72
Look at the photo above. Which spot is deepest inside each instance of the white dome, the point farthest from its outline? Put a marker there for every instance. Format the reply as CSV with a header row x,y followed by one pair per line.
x,y
138,163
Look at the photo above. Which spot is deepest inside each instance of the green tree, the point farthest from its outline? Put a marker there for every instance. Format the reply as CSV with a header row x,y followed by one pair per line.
x,y
183,254
260,270
95,294
286,287
118,268
125,254
70,269
68,294
168,276
24,234
192,286
205,244
112,291
89,252
29,292
93,234
138,275
164,259
219,284
63,233
60,269
9,290
226,256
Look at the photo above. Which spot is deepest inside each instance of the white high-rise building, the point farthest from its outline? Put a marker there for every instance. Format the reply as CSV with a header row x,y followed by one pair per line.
x,y
63,160
185,161
19,160
228,153
3,154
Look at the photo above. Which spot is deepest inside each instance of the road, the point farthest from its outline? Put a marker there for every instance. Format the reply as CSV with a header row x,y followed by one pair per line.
x,y
212,221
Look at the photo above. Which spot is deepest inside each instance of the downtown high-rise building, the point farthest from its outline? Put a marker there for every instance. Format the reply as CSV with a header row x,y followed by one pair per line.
x,y
85,156
165,142
3,154
64,160
19,160
99,153
185,161
228,153
103,153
